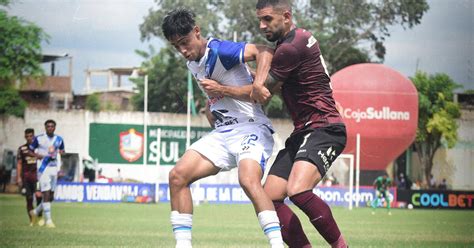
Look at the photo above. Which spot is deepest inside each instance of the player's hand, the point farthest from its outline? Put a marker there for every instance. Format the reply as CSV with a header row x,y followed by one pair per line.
x,y
260,94
211,87
19,182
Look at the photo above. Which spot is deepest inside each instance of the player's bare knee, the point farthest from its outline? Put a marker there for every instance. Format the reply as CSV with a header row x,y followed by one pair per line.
x,y
248,183
294,189
176,178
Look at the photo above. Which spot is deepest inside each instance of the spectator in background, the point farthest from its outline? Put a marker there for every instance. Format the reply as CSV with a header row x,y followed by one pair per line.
x,y
401,182
416,185
432,182
443,185
89,169
6,167
118,178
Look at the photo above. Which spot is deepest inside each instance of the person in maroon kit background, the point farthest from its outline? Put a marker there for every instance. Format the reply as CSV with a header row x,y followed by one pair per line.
x,y
299,71
27,172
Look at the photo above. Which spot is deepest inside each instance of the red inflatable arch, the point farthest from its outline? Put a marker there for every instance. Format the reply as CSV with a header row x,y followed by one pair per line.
x,y
381,105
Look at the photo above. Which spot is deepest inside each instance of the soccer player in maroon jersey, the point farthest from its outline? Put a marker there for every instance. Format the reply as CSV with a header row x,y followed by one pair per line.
x,y
26,171
298,69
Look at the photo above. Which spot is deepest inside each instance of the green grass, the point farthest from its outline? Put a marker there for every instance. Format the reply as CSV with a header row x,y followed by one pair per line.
x,y
147,225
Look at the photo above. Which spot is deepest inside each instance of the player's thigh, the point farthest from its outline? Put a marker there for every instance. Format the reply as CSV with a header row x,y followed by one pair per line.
x,y
275,187
304,176
321,146
214,148
253,142
250,173
44,181
54,181
191,167
277,179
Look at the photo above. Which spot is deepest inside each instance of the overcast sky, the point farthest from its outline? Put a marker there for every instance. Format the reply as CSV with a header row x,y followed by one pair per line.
x,y
104,33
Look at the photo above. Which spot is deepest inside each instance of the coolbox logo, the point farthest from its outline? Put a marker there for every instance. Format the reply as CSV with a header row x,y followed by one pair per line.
x,y
371,113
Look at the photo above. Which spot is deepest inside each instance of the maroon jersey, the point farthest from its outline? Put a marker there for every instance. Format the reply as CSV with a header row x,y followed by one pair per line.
x,y
28,163
307,87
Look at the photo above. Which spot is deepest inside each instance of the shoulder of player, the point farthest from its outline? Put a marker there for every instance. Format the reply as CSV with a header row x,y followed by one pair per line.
x,y
59,137
40,136
286,49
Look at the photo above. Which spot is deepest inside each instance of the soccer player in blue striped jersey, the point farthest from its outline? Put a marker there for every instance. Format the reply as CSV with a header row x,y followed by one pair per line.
x,y
243,134
47,148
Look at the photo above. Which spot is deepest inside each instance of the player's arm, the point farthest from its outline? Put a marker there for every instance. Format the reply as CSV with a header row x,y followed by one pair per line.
x,y
61,147
263,56
19,168
210,118
215,89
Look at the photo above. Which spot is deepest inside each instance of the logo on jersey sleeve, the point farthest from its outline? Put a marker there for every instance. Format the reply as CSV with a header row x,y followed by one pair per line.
x,y
311,41
131,145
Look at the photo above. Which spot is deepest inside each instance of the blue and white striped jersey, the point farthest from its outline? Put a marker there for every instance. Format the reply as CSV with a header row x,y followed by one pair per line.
x,y
49,148
224,62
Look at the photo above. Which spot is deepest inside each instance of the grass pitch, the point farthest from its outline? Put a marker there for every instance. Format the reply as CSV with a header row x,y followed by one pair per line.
x,y
147,225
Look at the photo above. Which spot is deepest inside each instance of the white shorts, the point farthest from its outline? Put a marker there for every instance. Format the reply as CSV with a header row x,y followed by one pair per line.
x,y
225,147
48,179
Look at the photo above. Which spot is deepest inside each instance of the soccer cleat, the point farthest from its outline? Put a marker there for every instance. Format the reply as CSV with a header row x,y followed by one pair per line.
x,y
34,217
41,221
50,224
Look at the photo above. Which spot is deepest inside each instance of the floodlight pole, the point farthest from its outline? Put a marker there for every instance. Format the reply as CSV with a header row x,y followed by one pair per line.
x,y
145,120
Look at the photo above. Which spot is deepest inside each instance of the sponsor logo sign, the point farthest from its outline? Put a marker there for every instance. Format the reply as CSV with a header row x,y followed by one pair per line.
x,y
131,145
124,144
97,192
442,199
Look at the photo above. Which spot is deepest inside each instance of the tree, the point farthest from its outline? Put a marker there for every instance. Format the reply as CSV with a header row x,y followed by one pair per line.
x,y
167,87
349,32
437,114
11,103
20,58
93,103
20,48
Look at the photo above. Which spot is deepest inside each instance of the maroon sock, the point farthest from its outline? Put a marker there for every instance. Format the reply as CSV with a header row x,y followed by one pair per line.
x,y
319,214
291,228
29,205
38,202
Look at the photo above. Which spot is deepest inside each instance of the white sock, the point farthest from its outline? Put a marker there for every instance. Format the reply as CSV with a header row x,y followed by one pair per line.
x,y
47,211
271,227
38,209
182,224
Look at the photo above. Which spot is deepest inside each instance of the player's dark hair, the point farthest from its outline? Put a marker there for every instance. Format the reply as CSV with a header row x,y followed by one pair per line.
x,y
29,130
277,4
178,22
50,121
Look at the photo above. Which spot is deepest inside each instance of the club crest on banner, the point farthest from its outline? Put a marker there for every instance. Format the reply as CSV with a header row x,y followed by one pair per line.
x,y
131,145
